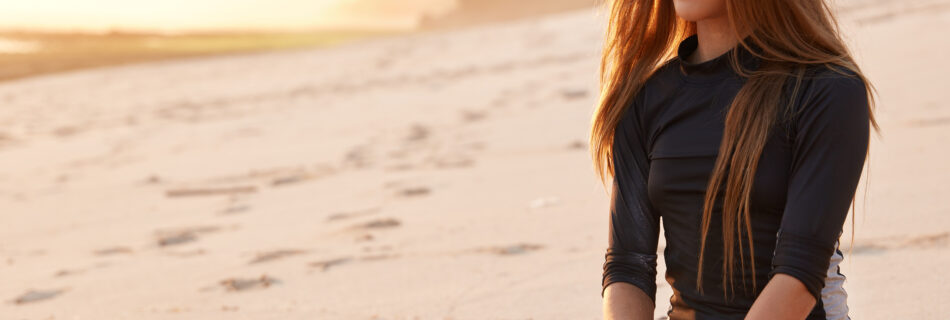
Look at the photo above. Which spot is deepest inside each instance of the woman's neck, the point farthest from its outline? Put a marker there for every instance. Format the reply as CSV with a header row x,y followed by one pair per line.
x,y
715,37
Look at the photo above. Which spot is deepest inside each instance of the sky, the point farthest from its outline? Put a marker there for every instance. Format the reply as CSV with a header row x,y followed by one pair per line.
x,y
211,15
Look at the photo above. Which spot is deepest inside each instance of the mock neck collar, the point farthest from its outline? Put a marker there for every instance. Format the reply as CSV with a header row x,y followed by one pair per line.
x,y
715,69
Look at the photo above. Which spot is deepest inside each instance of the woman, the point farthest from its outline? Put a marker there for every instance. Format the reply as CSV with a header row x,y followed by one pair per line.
x,y
745,125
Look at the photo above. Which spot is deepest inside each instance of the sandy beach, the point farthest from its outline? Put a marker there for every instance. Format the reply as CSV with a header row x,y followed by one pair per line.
x,y
436,175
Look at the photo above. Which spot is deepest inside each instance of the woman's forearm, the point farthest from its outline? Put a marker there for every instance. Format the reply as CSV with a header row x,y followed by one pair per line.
x,y
625,301
784,297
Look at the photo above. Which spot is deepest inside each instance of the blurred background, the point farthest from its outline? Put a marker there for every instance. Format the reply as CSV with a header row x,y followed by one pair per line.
x,y
380,159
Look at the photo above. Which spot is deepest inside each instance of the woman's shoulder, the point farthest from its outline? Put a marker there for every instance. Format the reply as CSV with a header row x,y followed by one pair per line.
x,y
832,91
830,73
824,81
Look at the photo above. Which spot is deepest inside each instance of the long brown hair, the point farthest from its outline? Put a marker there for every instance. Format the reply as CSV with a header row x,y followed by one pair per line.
x,y
642,35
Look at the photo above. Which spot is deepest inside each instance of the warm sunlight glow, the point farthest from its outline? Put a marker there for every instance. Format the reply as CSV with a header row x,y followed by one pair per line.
x,y
189,15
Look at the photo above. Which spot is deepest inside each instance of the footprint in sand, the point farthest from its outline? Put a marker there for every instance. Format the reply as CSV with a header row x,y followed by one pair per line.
x,y
66,131
364,237
358,157
209,191
170,237
473,115
474,146
577,145
275,255
417,132
152,179
382,223
290,179
324,265
927,241
379,256
235,204
113,251
379,248
295,177
938,121
454,161
572,94
241,284
37,295
518,248
67,272
352,214
413,191
235,209
6,138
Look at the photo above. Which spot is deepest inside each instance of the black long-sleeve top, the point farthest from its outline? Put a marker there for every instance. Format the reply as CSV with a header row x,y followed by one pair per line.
x,y
664,150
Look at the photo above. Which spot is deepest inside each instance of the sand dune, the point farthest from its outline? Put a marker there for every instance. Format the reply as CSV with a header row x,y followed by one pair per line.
x,y
441,175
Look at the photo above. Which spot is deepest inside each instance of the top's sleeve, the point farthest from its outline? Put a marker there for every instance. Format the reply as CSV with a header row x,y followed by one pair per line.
x,y
830,135
634,225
